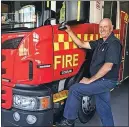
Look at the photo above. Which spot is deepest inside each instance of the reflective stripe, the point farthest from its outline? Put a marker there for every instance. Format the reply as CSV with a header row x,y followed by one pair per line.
x,y
64,41
85,37
79,36
74,46
60,37
97,36
56,46
117,35
70,39
126,18
60,96
78,10
91,37
48,4
62,13
66,45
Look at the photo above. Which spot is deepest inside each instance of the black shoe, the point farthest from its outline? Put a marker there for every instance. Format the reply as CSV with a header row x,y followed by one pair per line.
x,y
65,123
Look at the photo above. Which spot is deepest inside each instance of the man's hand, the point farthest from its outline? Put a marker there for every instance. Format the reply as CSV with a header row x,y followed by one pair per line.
x,y
68,29
85,80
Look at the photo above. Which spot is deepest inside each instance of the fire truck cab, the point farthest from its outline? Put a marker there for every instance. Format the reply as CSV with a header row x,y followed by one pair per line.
x,y
40,61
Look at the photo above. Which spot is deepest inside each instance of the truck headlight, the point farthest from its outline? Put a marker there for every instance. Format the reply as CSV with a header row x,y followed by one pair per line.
x,y
31,103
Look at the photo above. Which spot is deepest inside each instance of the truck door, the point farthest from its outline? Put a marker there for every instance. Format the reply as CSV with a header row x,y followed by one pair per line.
x,y
68,58
124,41
126,62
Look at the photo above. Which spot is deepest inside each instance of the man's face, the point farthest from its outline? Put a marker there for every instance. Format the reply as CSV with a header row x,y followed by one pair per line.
x,y
105,29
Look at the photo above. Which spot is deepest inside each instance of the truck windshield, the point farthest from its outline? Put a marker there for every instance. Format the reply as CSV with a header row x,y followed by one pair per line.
x,y
21,14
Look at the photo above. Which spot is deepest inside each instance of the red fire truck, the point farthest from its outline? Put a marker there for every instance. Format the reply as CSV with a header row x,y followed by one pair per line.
x,y
40,61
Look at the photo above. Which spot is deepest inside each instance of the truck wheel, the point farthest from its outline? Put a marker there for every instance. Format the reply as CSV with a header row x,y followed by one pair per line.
x,y
87,109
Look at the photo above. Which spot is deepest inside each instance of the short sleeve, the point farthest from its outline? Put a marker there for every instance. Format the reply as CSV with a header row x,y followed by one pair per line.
x,y
93,44
113,54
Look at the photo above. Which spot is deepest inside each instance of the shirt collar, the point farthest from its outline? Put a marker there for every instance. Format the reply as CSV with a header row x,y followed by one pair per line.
x,y
109,37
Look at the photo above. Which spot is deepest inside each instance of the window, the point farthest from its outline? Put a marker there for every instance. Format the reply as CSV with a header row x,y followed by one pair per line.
x,y
77,11
21,14
33,14
110,11
68,11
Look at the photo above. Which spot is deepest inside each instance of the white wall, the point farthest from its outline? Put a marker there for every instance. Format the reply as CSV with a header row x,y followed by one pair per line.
x,y
96,13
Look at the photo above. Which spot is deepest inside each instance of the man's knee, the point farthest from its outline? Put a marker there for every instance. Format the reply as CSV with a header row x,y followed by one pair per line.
x,y
74,87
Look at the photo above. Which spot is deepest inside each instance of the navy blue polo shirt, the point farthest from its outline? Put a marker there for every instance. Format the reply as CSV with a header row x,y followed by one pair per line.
x,y
108,51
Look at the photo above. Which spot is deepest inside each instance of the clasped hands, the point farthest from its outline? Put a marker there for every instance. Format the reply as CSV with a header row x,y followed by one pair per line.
x,y
85,80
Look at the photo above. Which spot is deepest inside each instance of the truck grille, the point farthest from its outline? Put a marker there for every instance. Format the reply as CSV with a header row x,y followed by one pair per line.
x,y
6,97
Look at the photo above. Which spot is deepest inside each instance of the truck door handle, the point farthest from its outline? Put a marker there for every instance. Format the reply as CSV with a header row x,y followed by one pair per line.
x,y
62,26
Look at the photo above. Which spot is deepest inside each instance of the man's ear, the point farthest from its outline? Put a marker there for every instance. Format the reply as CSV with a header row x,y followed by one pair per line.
x,y
112,26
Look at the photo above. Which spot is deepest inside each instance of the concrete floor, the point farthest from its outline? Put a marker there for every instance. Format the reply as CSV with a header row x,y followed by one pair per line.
x,y
119,103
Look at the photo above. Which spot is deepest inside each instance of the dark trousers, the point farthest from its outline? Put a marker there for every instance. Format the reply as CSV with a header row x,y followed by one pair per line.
x,y
101,90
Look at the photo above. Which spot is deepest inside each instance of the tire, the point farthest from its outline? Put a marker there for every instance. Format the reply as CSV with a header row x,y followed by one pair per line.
x,y
87,109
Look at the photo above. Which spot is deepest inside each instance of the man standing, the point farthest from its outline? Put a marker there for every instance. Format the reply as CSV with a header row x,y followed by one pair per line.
x,y
104,71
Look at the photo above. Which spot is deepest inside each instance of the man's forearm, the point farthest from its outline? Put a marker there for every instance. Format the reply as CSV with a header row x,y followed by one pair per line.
x,y
81,44
103,71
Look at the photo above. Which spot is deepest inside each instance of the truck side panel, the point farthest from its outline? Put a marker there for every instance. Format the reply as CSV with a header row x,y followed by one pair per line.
x,y
68,57
34,59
